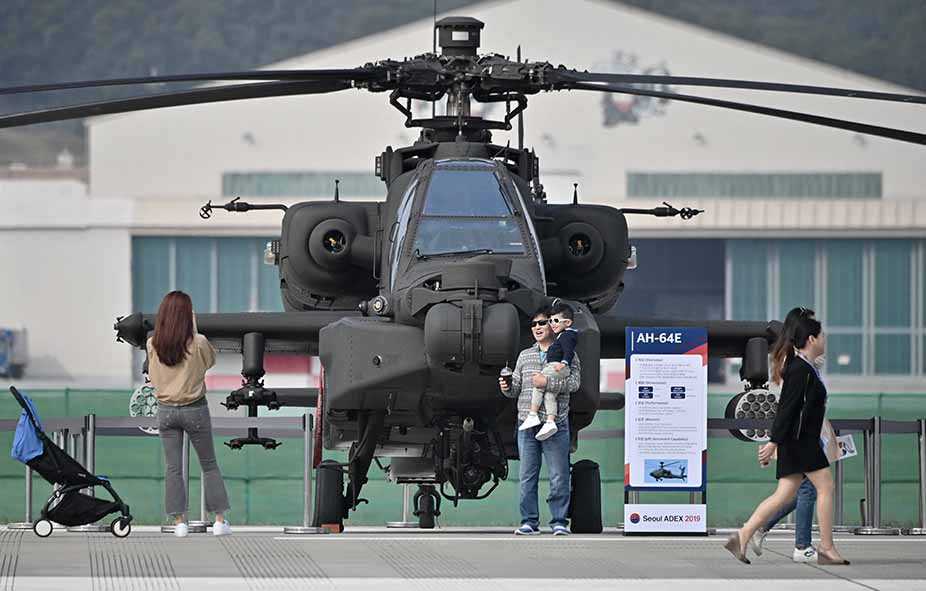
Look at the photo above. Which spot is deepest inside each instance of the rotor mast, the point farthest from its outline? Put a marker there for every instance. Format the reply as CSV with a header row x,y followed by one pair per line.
x,y
458,37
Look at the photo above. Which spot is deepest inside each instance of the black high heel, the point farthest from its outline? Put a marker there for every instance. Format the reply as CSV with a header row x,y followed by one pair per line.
x,y
824,559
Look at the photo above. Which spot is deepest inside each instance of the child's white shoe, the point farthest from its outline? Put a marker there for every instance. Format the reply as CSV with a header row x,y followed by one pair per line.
x,y
181,530
532,420
547,431
221,528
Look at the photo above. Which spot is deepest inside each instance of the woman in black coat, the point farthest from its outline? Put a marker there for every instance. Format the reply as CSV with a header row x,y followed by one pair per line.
x,y
796,439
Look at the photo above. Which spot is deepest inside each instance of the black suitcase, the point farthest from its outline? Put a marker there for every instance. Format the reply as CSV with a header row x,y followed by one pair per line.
x,y
585,501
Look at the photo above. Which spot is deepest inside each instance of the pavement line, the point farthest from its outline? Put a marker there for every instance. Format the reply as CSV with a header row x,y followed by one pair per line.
x,y
559,539
829,572
497,584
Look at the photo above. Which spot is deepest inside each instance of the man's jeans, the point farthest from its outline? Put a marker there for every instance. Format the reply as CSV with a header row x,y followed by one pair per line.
x,y
555,452
803,519
193,419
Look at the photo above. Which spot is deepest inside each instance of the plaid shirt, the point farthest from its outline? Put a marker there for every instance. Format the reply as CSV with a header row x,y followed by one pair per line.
x,y
529,363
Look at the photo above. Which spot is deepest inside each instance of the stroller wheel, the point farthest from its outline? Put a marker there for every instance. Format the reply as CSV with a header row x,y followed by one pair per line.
x,y
120,527
43,528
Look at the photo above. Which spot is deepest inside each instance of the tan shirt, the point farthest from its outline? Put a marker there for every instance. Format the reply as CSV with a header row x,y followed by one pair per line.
x,y
184,383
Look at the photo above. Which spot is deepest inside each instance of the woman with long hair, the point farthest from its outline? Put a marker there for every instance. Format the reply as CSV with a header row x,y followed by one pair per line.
x,y
796,440
806,493
178,358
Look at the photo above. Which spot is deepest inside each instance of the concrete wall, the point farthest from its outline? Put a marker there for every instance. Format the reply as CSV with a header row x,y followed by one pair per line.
x,y
65,271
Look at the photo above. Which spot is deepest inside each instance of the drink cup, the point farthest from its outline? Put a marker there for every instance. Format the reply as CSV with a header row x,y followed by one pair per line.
x,y
506,374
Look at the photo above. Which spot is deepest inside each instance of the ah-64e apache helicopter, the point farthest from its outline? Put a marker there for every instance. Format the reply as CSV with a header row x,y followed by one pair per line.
x,y
664,472
415,303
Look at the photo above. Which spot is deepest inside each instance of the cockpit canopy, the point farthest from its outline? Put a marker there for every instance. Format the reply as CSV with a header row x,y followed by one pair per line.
x,y
466,210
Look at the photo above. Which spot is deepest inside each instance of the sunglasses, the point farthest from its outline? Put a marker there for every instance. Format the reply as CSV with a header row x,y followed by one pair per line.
x,y
555,320
539,323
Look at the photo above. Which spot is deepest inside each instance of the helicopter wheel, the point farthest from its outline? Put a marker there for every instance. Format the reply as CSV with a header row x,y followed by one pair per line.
x,y
330,504
427,506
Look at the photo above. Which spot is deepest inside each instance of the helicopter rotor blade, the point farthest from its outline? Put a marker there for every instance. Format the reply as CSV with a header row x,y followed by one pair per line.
x,y
174,99
876,130
292,75
570,76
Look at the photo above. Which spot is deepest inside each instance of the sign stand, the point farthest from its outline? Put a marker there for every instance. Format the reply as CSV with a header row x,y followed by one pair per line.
x,y
665,429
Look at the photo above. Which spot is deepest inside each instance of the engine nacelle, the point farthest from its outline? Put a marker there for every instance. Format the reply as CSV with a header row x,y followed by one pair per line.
x,y
328,255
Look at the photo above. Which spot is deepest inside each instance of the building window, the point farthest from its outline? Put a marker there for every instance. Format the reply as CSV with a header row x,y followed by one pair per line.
x,y
220,274
301,184
868,293
756,185
749,278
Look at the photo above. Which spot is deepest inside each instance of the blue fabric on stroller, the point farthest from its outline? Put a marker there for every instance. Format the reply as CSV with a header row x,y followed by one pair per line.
x,y
26,442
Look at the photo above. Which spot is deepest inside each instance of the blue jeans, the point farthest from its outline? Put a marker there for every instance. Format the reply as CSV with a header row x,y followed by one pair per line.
x,y
803,519
555,451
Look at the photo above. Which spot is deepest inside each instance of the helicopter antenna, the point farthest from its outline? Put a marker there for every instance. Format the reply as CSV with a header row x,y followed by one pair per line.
x,y
520,115
337,194
575,193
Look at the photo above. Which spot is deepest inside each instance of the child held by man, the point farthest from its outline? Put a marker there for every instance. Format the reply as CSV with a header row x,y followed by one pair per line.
x,y
558,358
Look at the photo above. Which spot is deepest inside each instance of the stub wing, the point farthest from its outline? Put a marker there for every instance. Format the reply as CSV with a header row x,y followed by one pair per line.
x,y
292,332
726,338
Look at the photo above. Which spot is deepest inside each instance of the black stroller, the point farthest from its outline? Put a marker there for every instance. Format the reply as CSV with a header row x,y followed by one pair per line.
x,y
66,505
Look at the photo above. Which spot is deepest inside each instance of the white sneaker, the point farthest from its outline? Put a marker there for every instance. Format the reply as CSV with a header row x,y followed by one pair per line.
x,y
532,420
181,530
757,541
547,431
808,554
221,528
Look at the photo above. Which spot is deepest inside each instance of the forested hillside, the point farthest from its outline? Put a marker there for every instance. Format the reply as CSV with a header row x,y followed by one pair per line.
x,y
57,40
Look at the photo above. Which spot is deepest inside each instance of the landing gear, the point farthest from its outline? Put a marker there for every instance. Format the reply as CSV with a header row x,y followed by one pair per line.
x,y
427,506
330,504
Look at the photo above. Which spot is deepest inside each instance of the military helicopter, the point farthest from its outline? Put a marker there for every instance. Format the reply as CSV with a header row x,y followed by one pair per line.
x,y
664,473
415,303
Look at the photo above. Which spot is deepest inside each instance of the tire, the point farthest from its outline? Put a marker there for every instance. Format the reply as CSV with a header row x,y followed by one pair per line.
x,y
426,510
585,502
43,528
120,527
330,505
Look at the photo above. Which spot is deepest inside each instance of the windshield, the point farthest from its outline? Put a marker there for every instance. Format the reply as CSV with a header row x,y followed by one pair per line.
x,y
466,211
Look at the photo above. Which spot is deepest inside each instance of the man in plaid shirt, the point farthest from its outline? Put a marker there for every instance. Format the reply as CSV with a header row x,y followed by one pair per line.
x,y
527,374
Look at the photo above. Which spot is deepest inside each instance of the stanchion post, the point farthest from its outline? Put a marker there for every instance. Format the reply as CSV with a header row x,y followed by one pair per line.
x,y
406,501
873,485
86,445
90,446
920,530
309,452
839,478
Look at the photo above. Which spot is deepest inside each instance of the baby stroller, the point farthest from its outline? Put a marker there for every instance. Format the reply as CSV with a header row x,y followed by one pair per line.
x,y
66,505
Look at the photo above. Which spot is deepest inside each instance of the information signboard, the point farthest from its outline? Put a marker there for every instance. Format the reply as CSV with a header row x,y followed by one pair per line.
x,y
665,423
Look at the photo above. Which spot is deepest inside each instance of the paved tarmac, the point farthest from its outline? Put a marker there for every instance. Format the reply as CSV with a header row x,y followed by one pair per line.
x,y
438,560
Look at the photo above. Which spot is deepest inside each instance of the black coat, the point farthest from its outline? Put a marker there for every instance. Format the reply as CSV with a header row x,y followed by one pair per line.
x,y
801,409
